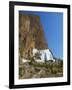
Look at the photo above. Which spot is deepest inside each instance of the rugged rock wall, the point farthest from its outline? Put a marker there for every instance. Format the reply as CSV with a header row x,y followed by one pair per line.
x,y
31,34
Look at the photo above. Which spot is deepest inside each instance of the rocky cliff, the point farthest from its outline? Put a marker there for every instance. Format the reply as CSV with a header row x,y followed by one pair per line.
x,y
31,34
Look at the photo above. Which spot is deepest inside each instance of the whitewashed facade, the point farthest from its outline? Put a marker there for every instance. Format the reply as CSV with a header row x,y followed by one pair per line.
x,y
45,54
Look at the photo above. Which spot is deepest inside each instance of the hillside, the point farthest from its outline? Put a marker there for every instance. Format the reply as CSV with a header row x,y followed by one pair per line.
x,y
41,70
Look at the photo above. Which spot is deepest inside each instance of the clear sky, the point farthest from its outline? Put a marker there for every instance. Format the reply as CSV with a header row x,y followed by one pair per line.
x,y
52,23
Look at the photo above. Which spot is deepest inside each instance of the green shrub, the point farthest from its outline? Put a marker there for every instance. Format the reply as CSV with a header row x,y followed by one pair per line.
x,y
21,71
54,70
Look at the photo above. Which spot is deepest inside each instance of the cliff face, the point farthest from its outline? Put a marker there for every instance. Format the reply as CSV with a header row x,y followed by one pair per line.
x,y
31,34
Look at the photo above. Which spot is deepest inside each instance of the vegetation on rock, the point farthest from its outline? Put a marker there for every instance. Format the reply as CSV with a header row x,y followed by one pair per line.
x,y
41,70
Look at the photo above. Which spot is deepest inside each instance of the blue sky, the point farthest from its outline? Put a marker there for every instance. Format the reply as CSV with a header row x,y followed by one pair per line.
x,y
52,23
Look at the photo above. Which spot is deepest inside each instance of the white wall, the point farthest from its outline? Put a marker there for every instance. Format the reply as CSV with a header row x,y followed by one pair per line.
x,y
4,44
